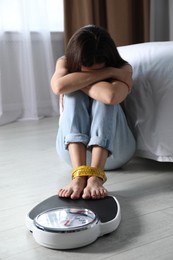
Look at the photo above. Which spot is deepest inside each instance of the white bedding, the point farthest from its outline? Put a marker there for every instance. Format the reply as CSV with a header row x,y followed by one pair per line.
x,y
149,107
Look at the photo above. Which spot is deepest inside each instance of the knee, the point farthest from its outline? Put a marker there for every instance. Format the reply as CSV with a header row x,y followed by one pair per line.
x,y
76,101
100,106
76,96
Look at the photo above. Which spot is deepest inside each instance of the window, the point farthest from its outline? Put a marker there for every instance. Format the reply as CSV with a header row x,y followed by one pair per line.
x,y
35,14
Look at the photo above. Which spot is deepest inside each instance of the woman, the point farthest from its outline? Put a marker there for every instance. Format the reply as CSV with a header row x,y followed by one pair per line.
x,y
92,80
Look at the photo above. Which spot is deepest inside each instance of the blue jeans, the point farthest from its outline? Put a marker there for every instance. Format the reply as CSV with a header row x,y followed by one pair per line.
x,y
92,122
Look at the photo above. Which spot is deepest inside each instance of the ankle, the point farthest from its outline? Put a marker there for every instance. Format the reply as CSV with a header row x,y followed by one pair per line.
x,y
80,178
95,179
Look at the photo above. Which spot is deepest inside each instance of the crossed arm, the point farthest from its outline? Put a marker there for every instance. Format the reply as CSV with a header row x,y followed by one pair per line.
x,y
108,85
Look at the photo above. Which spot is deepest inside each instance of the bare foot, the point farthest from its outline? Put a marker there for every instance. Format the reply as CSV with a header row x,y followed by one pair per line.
x,y
94,189
74,189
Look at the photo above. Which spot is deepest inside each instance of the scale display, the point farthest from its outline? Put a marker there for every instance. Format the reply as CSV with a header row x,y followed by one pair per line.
x,y
65,219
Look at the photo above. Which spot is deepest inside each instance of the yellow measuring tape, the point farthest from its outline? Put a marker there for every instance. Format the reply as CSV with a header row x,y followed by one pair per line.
x,y
88,171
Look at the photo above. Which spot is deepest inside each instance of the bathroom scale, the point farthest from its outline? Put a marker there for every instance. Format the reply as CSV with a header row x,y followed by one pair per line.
x,y
63,223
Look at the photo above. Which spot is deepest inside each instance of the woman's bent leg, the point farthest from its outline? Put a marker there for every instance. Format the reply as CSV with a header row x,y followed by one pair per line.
x,y
74,123
110,135
72,139
101,145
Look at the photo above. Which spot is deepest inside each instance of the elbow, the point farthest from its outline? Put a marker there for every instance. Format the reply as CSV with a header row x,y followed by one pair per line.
x,y
56,87
111,94
111,99
117,94
115,99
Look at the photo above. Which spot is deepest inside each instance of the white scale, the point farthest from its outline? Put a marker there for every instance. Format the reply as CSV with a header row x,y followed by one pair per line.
x,y
62,223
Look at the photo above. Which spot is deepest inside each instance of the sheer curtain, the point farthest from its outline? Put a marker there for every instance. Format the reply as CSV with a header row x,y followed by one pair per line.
x,y
29,47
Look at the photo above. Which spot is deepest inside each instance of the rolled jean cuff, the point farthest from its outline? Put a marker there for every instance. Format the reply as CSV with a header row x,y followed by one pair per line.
x,y
102,142
76,138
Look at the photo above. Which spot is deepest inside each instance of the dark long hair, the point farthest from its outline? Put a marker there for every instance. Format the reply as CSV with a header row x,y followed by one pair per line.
x,y
90,45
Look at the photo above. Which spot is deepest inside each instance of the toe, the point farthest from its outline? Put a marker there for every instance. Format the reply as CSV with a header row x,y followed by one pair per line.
x,y
76,194
86,194
65,193
60,193
99,193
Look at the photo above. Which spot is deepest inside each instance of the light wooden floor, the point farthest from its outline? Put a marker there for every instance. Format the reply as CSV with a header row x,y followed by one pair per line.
x,y
30,171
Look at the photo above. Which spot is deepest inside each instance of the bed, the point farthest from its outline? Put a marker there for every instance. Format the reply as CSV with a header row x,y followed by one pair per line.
x,y
149,107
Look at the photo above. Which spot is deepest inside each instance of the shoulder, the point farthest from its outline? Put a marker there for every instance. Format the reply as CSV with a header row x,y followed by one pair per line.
x,y
61,64
61,60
